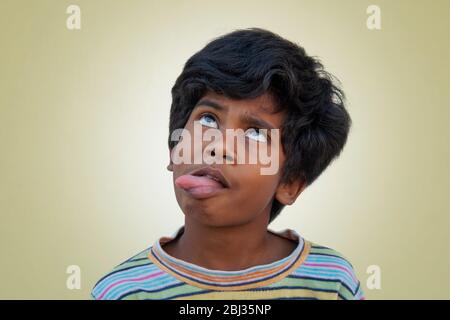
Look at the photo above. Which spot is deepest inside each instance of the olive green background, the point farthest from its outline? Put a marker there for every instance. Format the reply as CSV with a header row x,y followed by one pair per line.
x,y
84,123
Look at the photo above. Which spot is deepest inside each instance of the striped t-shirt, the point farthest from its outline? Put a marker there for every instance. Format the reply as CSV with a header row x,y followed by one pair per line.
x,y
311,271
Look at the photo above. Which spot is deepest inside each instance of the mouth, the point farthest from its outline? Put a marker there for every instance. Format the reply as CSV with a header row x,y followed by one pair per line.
x,y
203,183
212,173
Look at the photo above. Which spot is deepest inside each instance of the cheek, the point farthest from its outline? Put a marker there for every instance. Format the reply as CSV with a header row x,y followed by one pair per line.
x,y
254,188
190,145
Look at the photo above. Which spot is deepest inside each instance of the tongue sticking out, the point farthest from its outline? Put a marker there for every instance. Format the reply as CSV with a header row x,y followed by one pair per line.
x,y
188,181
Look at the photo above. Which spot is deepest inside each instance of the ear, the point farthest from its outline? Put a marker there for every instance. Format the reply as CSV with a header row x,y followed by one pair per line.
x,y
170,165
287,193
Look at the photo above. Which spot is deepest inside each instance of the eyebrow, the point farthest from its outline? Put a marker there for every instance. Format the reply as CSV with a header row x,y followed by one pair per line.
x,y
245,118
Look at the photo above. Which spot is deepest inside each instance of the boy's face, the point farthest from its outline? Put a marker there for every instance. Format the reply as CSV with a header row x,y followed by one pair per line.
x,y
250,193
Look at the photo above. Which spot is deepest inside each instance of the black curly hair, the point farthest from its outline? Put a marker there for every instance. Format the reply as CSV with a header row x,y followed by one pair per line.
x,y
247,63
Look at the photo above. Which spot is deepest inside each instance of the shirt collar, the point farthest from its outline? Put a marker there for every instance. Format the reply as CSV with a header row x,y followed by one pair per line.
x,y
252,277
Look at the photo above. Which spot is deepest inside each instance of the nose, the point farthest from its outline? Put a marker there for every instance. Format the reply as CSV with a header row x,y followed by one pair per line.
x,y
219,152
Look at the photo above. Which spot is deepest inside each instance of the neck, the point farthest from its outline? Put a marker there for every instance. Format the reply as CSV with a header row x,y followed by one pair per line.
x,y
225,248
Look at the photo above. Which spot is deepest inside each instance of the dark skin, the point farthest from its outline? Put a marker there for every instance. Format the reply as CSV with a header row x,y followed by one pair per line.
x,y
229,231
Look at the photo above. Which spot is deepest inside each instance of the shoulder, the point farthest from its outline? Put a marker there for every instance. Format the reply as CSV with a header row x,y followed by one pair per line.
x,y
328,267
132,274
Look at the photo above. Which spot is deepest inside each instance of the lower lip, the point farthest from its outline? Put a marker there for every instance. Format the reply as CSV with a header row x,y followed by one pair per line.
x,y
204,192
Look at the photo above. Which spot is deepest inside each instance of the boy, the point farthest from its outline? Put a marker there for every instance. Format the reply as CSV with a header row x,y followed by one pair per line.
x,y
250,81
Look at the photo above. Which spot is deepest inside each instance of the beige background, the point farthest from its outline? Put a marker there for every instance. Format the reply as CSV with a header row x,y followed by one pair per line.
x,y
84,122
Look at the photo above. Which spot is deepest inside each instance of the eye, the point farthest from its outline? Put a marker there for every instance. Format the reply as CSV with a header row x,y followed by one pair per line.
x,y
208,121
257,134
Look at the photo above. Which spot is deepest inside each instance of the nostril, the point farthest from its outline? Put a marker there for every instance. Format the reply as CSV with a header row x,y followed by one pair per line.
x,y
228,158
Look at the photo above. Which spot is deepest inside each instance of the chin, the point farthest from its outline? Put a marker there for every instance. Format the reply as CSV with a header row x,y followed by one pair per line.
x,y
210,217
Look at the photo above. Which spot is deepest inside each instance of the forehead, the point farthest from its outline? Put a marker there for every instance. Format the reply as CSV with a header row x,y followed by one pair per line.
x,y
263,106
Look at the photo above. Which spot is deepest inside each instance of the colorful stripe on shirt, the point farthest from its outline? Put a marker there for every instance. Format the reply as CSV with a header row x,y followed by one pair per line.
x,y
323,274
